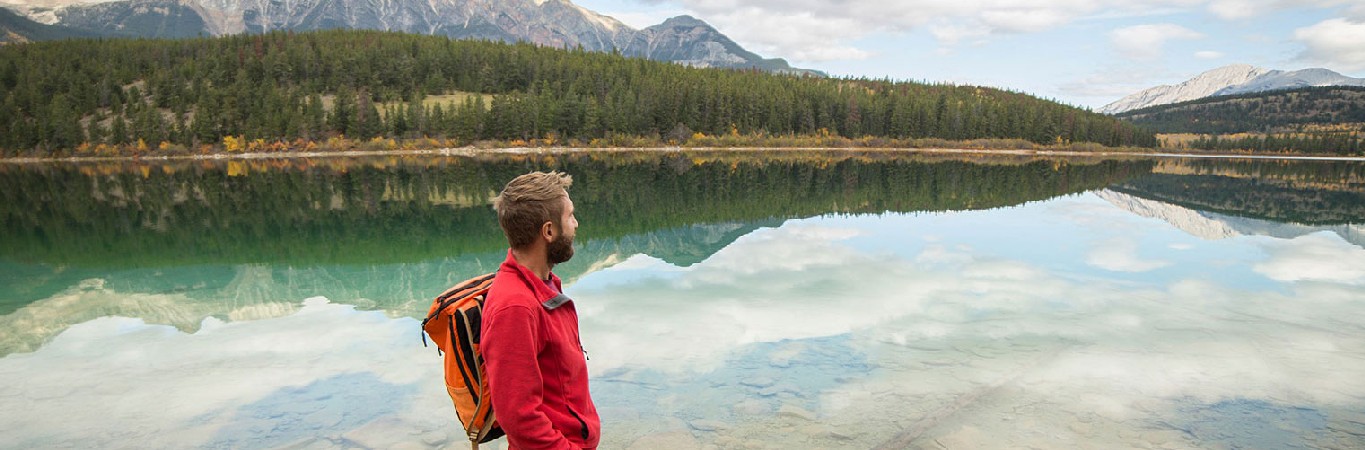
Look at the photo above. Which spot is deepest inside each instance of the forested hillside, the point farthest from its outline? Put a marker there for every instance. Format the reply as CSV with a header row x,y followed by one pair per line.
x,y
293,91
1322,120
1259,112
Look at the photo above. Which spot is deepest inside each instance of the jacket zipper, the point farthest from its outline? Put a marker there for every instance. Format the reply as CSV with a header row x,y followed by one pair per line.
x,y
581,423
578,337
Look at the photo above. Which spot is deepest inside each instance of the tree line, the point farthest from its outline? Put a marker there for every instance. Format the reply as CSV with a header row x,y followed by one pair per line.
x,y
65,97
1261,112
407,209
1322,120
1322,142
1279,190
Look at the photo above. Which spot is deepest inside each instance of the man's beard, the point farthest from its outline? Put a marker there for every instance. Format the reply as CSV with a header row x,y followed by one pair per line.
x,y
559,250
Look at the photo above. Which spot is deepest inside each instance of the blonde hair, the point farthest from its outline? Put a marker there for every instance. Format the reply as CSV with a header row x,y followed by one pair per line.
x,y
527,202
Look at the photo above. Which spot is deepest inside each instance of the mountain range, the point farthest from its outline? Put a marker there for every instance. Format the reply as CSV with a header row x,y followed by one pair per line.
x,y
1213,226
554,23
1329,109
1229,80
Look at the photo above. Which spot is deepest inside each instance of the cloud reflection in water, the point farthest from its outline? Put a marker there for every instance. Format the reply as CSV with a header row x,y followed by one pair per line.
x,y
996,348
983,329
327,375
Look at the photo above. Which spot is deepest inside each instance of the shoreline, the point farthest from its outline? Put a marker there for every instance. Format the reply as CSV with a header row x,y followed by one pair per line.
x,y
473,151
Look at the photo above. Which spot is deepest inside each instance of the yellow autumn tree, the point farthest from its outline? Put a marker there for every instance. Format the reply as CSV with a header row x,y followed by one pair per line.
x,y
233,144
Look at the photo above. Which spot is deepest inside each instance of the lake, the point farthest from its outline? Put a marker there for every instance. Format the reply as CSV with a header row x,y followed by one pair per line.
x,y
780,299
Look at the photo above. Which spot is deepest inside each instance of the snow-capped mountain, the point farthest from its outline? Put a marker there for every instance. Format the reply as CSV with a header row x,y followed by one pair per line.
x,y
1276,80
1214,226
554,23
1203,85
1230,80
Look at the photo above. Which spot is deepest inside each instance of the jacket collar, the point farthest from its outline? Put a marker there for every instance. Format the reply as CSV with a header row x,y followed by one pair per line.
x,y
548,298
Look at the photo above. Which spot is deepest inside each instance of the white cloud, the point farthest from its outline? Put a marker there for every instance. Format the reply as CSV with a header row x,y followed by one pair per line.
x,y
794,35
816,30
1093,361
1120,255
950,33
1236,9
1322,256
324,372
742,294
1338,43
1144,42
812,30
1243,9
1208,54
1112,83
1026,20
950,322
1356,13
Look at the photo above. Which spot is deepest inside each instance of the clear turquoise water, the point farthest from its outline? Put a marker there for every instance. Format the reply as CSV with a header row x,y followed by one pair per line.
x,y
873,301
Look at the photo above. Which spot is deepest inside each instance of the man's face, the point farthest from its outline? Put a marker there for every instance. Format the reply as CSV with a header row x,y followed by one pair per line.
x,y
561,248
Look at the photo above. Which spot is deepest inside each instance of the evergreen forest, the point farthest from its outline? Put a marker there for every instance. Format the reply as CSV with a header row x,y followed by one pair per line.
x,y
1300,192
308,211
338,89
1256,112
1322,120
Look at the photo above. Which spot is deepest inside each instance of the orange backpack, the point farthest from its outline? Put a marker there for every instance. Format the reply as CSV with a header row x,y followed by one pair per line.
x,y
453,324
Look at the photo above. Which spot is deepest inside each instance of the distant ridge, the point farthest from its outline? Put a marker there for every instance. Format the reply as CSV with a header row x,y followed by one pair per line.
x,y
1277,111
1215,225
551,23
1203,85
15,28
1277,80
1229,80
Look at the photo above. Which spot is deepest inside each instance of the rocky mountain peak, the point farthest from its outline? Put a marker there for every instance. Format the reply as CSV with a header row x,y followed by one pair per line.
x,y
684,21
1202,85
1278,79
1230,80
554,23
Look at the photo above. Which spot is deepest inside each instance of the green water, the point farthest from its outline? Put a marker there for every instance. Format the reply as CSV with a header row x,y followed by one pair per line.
x,y
787,299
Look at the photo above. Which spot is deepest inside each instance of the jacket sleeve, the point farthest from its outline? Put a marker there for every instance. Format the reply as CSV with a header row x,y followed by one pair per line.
x,y
509,348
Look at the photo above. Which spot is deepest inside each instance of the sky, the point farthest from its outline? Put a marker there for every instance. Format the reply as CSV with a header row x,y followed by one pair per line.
x,y
1081,52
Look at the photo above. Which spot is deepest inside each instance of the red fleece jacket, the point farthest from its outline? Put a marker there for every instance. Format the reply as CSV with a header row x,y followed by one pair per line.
x,y
537,372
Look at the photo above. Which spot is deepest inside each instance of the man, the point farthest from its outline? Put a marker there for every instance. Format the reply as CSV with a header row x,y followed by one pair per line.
x,y
537,368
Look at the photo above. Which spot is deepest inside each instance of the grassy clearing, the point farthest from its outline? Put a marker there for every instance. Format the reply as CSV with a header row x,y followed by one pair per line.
x,y
444,100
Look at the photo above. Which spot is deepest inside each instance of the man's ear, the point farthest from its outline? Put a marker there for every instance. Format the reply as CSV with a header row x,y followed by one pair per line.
x,y
547,231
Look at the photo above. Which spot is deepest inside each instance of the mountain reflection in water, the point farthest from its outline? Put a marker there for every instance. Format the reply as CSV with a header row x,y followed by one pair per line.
x,y
797,300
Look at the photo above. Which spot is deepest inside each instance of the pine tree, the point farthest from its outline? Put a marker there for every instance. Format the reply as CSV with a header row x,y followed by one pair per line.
x,y
368,123
96,132
342,118
118,132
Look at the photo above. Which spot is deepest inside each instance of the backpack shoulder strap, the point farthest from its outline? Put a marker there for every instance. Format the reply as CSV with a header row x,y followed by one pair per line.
x,y
472,286
459,292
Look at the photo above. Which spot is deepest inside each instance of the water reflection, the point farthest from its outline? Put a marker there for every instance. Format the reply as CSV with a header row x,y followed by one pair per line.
x,y
1212,225
861,301
176,243
911,332
325,375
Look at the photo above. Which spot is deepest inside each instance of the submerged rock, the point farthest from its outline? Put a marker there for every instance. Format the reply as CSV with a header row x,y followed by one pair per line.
x,y
678,440
796,412
708,425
